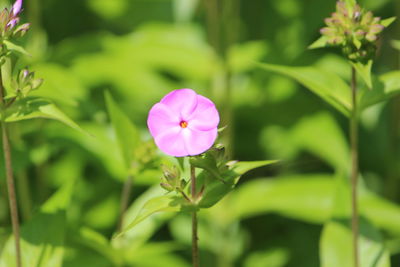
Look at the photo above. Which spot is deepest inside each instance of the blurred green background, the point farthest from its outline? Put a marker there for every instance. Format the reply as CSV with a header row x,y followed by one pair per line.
x,y
141,49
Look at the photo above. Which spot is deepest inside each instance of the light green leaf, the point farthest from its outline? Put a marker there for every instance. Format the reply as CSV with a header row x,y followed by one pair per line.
x,y
303,197
42,237
167,203
127,134
336,240
327,85
385,87
364,70
396,44
13,47
132,240
319,43
311,133
215,189
388,21
32,108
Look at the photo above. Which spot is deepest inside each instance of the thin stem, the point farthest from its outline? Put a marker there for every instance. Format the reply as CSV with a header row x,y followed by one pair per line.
x,y
195,238
354,167
10,179
126,191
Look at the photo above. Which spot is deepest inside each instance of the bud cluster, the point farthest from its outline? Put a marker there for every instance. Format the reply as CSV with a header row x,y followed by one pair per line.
x,y
26,82
355,30
171,180
9,20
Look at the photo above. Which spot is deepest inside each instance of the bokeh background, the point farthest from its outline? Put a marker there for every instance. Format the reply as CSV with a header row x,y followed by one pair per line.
x,y
139,50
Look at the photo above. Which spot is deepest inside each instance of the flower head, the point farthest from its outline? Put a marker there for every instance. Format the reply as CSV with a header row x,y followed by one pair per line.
x,y
355,30
183,123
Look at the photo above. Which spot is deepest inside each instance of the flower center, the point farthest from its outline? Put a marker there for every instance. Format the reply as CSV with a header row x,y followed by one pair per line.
x,y
183,124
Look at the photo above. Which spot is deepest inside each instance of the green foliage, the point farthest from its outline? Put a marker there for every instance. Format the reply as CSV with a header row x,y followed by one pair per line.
x,y
127,134
32,108
43,237
326,85
336,239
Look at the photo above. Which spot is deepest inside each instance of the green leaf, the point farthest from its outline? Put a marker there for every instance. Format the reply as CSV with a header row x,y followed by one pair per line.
x,y
327,85
385,87
396,44
319,43
13,47
32,108
303,197
167,203
364,70
336,240
126,132
42,237
143,231
388,21
215,190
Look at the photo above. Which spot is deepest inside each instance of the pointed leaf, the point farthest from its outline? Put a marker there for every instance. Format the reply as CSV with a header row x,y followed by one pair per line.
x,y
13,47
167,203
364,70
32,108
388,21
327,85
215,190
126,132
385,87
319,43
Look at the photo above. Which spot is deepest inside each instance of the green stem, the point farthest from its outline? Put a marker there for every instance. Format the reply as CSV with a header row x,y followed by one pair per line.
x,y
354,167
195,238
126,191
10,178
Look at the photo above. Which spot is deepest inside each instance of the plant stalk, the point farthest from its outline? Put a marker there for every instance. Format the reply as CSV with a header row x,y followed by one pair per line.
x,y
126,191
354,167
195,238
12,199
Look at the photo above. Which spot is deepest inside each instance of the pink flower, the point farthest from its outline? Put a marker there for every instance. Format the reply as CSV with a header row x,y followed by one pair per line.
x,y
183,123
16,9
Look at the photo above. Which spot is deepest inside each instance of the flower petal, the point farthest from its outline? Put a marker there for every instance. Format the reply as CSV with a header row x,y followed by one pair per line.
x,y
181,101
161,118
172,142
196,142
205,117
16,8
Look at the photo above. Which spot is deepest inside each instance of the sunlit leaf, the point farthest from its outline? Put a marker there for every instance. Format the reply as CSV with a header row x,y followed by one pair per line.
x,y
32,108
336,240
42,238
16,48
127,134
319,43
364,70
385,87
327,85
167,203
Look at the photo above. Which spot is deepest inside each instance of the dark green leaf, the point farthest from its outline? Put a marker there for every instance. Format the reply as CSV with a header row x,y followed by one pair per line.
x,y
215,189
